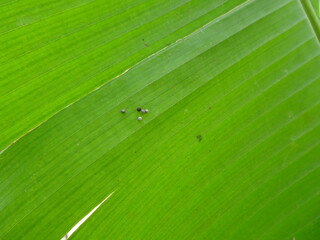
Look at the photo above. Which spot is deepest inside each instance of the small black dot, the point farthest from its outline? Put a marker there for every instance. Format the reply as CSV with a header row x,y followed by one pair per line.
x,y
199,137
138,109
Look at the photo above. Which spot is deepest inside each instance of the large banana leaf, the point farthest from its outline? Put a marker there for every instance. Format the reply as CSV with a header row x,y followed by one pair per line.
x,y
229,150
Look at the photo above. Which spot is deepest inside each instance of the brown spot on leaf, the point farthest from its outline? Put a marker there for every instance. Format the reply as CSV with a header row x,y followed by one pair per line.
x,y
199,137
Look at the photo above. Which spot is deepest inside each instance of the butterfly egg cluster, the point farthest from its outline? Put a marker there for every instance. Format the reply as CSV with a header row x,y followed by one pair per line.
x,y
139,109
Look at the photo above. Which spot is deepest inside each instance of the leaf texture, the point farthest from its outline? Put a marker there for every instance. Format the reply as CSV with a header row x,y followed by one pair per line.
x,y
229,149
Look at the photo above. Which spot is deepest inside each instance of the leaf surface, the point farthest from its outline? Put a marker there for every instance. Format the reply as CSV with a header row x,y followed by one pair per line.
x,y
229,149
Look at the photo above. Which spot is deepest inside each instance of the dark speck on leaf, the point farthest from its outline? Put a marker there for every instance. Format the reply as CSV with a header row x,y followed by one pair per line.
x,y
145,44
209,108
199,137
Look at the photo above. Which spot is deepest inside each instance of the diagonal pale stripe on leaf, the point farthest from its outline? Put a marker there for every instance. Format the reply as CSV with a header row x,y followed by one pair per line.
x,y
231,137
33,75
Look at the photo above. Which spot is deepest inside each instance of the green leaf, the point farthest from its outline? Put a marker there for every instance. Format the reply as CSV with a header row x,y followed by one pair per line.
x,y
316,6
56,53
229,148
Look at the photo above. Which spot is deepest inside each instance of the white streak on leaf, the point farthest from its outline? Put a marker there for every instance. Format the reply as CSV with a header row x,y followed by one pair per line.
x,y
84,219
